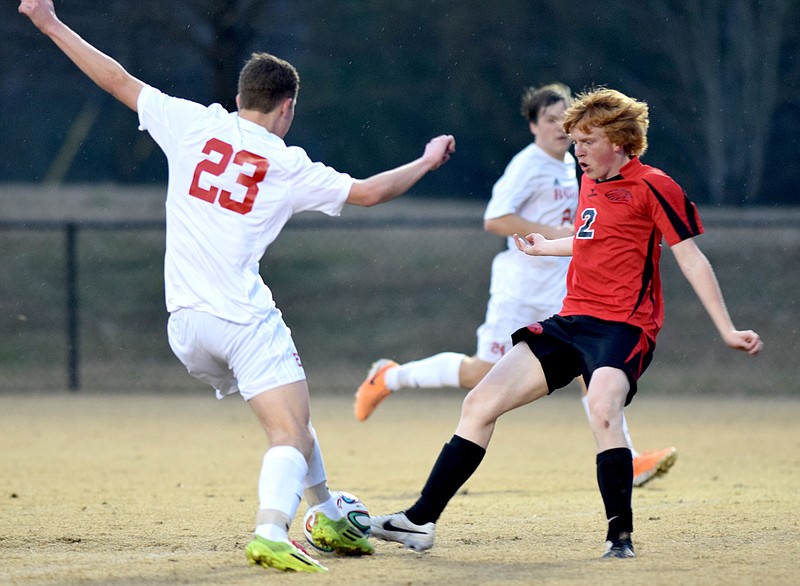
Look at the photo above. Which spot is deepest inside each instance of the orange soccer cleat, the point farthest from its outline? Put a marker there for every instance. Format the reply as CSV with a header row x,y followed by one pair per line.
x,y
373,390
651,465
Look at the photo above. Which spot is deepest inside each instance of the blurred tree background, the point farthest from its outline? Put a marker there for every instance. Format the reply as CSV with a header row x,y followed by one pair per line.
x,y
379,78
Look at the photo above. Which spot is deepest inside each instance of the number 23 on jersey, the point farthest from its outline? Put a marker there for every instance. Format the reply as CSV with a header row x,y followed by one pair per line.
x,y
254,169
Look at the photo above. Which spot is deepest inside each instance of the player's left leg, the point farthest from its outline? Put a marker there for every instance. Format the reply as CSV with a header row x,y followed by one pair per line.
x,y
330,529
646,465
625,430
608,391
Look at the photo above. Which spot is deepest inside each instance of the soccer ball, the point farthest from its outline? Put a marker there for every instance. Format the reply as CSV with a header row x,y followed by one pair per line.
x,y
352,509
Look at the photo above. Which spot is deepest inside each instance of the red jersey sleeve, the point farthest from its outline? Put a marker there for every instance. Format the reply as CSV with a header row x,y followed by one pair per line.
x,y
674,214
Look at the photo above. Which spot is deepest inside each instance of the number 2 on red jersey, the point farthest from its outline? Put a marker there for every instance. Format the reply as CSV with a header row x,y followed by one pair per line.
x,y
589,215
215,168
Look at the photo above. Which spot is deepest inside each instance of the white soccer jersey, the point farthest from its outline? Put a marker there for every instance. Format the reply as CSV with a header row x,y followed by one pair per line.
x,y
541,189
232,187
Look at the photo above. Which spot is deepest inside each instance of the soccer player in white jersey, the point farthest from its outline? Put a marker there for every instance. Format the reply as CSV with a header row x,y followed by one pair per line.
x,y
538,192
233,184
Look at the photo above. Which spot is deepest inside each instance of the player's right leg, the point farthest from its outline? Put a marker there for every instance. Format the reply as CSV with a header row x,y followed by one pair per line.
x,y
264,360
386,376
283,413
374,389
652,464
398,528
515,380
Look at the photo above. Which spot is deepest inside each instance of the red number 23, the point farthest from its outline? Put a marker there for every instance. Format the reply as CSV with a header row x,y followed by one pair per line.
x,y
251,181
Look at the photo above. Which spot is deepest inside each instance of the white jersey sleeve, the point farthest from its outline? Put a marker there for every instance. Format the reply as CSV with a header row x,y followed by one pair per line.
x,y
540,189
232,187
536,187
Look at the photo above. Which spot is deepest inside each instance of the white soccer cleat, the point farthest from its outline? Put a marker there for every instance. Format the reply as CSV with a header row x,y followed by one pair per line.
x,y
397,527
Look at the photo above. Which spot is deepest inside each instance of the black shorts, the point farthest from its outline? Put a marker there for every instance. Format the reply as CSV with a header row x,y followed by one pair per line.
x,y
569,346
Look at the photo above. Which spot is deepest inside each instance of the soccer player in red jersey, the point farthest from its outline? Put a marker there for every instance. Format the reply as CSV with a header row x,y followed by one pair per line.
x,y
607,327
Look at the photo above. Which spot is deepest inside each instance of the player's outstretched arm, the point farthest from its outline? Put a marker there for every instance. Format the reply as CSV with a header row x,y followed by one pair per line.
x,y
394,182
537,245
698,271
99,67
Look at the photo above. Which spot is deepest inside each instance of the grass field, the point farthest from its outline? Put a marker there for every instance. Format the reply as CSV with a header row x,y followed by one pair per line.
x,y
148,488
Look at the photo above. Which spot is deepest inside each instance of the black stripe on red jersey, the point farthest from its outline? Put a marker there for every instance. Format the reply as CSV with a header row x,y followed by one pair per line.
x,y
683,230
647,274
691,214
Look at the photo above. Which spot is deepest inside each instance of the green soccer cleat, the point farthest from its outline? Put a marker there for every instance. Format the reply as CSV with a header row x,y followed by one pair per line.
x,y
339,535
282,555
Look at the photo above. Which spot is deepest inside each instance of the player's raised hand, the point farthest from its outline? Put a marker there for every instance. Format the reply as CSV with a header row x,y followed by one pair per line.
x,y
439,149
41,13
530,244
745,340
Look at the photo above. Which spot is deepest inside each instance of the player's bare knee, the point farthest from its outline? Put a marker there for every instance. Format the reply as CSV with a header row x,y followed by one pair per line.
x,y
477,409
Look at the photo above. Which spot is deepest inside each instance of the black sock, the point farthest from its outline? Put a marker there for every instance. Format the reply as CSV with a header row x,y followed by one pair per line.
x,y
615,479
457,461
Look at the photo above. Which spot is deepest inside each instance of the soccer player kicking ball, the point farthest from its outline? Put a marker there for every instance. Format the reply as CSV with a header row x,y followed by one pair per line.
x,y
607,328
233,184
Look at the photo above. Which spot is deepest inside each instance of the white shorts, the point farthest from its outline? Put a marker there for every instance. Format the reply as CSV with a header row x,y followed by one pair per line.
x,y
244,358
505,316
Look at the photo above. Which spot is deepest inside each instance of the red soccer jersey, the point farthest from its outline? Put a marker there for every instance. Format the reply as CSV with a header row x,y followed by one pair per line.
x,y
614,274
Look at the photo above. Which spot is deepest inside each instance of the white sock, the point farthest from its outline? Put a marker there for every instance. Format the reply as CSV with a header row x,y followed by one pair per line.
x,y
320,499
315,484
628,439
634,453
585,401
316,467
280,488
439,370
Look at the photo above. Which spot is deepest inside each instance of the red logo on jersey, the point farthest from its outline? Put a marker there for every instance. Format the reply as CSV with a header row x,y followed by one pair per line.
x,y
619,196
536,328
561,193
498,348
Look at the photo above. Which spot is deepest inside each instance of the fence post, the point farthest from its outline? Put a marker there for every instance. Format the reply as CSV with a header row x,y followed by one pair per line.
x,y
71,278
